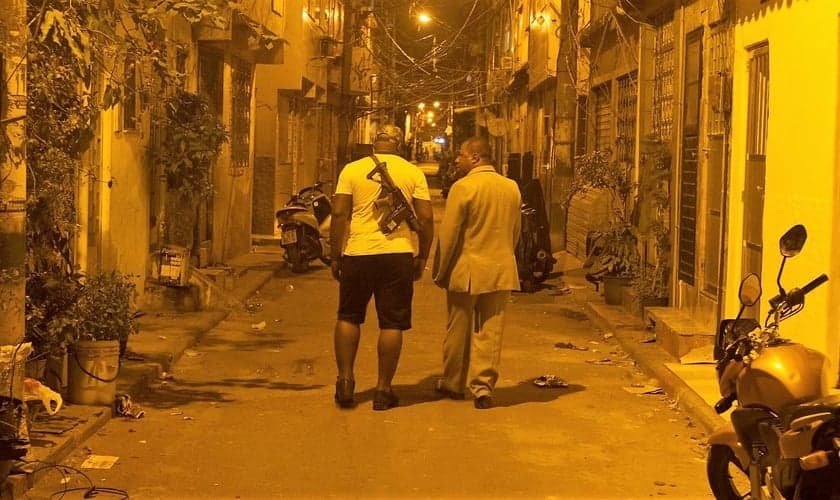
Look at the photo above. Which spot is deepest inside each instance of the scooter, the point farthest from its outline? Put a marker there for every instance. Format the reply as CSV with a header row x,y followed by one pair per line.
x,y
783,439
304,224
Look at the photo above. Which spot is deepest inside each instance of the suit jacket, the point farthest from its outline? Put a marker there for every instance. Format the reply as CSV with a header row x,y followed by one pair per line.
x,y
478,234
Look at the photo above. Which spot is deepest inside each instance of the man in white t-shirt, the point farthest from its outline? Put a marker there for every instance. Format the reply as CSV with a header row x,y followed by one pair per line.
x,y
376,264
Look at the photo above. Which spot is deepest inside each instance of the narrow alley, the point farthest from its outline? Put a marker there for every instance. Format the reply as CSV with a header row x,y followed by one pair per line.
x,y
250,414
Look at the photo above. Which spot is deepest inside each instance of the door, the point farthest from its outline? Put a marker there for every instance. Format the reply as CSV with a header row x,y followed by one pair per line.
x,y
687,210
753,196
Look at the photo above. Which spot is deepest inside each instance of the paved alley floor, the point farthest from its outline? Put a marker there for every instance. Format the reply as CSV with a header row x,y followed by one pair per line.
x,y
249,413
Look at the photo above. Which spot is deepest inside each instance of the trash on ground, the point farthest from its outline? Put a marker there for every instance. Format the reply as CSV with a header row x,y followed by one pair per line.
x,y
34,390
253,307
608,336
133,356
162,337
192,354
602,361
569,345
166,376
648,340
258,327
187,417
550,382
290,288
99,462
176,412
124,407
699,356
643,389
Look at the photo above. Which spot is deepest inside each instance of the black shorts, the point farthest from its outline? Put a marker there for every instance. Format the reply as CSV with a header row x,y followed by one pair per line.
x,y
389,278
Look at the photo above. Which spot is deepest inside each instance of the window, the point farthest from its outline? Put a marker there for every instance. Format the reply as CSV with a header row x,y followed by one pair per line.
x,y
626,119
603,118
130,106
241,115
663,85
210,78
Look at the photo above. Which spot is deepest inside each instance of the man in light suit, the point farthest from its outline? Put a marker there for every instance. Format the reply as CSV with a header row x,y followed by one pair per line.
x,y
476,264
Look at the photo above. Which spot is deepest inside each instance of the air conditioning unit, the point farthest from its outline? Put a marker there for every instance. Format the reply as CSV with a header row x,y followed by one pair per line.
x,y
327,47
506,62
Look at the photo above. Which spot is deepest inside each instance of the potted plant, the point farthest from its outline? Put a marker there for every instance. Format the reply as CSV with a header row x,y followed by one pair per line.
x,y
50,324
104,319
614,257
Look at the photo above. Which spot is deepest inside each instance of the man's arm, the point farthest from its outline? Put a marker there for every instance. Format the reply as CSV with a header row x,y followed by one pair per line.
x,y
425,235
449,234
342,207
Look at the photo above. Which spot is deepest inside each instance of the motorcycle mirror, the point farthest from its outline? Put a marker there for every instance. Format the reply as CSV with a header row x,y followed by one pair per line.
x,y
791,243
750,290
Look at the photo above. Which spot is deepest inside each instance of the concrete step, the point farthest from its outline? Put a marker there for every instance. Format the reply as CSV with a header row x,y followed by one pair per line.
x,y
676,331
171,298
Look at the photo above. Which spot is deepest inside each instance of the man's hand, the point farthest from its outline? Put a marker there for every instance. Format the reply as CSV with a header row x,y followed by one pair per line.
x,y
335,269
419,267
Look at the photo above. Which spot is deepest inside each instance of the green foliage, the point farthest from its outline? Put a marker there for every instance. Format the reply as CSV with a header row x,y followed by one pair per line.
x,y
192,141
653,281
50,311
74,48
619,255
104,309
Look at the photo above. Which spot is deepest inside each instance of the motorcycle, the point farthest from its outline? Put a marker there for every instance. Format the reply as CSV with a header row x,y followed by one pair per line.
x,y
533,260
304,224
783,439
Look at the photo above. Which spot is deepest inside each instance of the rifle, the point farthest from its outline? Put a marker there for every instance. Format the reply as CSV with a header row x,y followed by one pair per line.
x,y
391,202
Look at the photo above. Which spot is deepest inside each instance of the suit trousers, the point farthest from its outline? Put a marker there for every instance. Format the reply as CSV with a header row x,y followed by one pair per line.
x,y
473,345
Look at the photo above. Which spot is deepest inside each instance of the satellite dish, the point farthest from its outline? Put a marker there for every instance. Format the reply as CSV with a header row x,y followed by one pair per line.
x,y
496,127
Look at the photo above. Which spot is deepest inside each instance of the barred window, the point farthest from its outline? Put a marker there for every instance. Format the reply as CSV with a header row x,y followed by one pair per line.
x,y
720,48
663,85
240,115
603,117
626,119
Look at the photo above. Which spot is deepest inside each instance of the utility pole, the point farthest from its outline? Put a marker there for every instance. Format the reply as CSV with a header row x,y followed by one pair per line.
x,y
13,32
564,123
346,111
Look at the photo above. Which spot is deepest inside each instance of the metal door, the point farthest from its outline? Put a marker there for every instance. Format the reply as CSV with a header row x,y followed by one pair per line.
x,y
753,196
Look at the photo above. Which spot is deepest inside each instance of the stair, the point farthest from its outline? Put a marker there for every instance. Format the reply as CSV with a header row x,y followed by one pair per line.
x,y
676,331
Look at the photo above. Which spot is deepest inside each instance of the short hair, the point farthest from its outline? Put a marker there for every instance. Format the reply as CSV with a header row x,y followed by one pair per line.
x,y
388,139
477,145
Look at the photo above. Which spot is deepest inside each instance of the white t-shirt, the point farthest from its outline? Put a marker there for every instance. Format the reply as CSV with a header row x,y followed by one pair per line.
x,y
365,237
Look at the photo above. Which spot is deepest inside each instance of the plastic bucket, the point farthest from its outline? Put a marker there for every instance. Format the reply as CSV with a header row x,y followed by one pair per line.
x,y
94,366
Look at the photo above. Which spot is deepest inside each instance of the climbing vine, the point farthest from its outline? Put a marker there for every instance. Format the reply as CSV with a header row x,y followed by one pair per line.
x,y
85,56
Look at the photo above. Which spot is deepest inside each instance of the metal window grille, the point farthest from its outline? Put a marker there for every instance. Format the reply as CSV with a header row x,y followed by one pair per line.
x,y
129,103
663,85
603,117
240,116
759,100
720,49
626,118
210,78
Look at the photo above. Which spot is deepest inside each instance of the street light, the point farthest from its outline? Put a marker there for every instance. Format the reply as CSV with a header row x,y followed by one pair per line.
x,y
424,18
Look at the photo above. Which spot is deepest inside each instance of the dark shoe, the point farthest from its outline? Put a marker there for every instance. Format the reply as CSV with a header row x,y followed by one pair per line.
x,y
443,391
384,400
483,402
344,392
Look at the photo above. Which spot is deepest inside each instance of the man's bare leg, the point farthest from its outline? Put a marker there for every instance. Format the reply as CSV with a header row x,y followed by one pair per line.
x,y
346,345
389,348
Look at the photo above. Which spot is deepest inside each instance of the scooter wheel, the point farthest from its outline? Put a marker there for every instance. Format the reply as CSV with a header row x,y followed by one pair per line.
x,y
296,261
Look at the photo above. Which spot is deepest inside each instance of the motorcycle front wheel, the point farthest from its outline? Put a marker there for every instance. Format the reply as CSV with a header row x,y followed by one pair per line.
x,y
726,478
